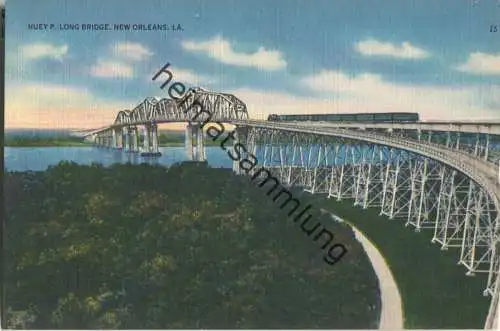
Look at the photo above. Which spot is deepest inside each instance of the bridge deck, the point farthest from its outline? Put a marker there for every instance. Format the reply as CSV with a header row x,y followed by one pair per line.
x,y
492,128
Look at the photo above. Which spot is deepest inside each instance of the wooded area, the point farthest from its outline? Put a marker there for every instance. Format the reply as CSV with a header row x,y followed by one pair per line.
x,y
182,247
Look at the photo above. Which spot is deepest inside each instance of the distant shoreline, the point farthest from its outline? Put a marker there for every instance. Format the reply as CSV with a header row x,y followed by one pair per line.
x,y
37,143
61,138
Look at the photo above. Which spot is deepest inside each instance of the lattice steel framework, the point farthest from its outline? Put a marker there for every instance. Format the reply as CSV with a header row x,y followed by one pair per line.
x,y
483,145
423,192
222,106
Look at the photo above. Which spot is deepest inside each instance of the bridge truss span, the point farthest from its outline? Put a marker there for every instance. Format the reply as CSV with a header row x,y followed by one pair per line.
x,y
221,106
479,139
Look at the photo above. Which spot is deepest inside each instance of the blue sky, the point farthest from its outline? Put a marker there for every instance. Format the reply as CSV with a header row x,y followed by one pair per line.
x,y
435,57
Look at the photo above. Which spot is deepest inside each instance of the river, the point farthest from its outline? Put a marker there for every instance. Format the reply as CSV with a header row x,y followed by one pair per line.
x,y
39,158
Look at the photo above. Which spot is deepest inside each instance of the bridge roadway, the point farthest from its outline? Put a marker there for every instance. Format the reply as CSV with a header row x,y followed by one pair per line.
x,y
492,128
443,126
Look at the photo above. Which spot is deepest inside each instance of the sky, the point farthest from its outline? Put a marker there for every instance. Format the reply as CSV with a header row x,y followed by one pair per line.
x,y
434,57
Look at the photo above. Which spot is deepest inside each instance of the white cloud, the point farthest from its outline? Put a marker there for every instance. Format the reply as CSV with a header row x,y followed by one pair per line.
x,y
369,93
43,50
2,3
131,51
222,51
45,105
185,77
481,63
335,81
117,64
109,69
190,77
372,47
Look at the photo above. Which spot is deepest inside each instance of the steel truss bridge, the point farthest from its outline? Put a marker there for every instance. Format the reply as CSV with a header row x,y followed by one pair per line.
x,y
443,177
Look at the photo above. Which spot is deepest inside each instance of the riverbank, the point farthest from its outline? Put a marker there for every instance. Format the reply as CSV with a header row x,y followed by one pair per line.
x,y
68,141
433,287
50,144
86,144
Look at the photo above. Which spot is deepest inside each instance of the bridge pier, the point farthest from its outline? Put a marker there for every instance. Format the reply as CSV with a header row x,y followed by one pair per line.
x,y
240,137
200,144
145,143
151,140
154,137
117,138
120,138
110,139
90,139
127,140
135,140
106,139
132,135
196,151
113,138
236,164
188,142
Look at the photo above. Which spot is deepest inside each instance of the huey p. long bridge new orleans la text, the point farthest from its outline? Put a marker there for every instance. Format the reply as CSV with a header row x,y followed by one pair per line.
x,y
440,176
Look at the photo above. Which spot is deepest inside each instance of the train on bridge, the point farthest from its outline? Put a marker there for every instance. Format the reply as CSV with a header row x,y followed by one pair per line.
x,y
361,117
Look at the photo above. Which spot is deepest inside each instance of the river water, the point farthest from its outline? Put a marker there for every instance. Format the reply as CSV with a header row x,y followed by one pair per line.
x,y
39,158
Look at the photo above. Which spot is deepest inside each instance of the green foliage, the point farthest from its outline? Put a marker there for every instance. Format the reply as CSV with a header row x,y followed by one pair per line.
x,y
181,247
435,291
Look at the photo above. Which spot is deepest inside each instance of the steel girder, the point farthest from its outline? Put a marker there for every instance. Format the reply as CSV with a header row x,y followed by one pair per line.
x,y
423,192
483,145
222,106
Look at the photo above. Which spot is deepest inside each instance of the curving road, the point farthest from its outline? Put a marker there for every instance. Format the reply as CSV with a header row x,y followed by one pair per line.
x,y
391,315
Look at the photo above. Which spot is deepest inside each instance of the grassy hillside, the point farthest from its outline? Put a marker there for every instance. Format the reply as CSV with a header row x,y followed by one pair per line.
x,y
435,291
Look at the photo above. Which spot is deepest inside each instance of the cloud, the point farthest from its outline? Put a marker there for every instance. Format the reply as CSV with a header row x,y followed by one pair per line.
x,y
131,51
372,47
481,64
43,105
111,69
43,50
370,92
190,77
222,51
116,64
340,93
184,76
335,81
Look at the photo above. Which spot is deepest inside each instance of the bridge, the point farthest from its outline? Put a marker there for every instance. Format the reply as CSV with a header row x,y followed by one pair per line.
x,y
441,176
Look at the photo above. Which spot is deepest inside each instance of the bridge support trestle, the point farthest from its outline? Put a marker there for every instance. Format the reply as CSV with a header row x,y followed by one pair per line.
x,y
405,186
194,142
